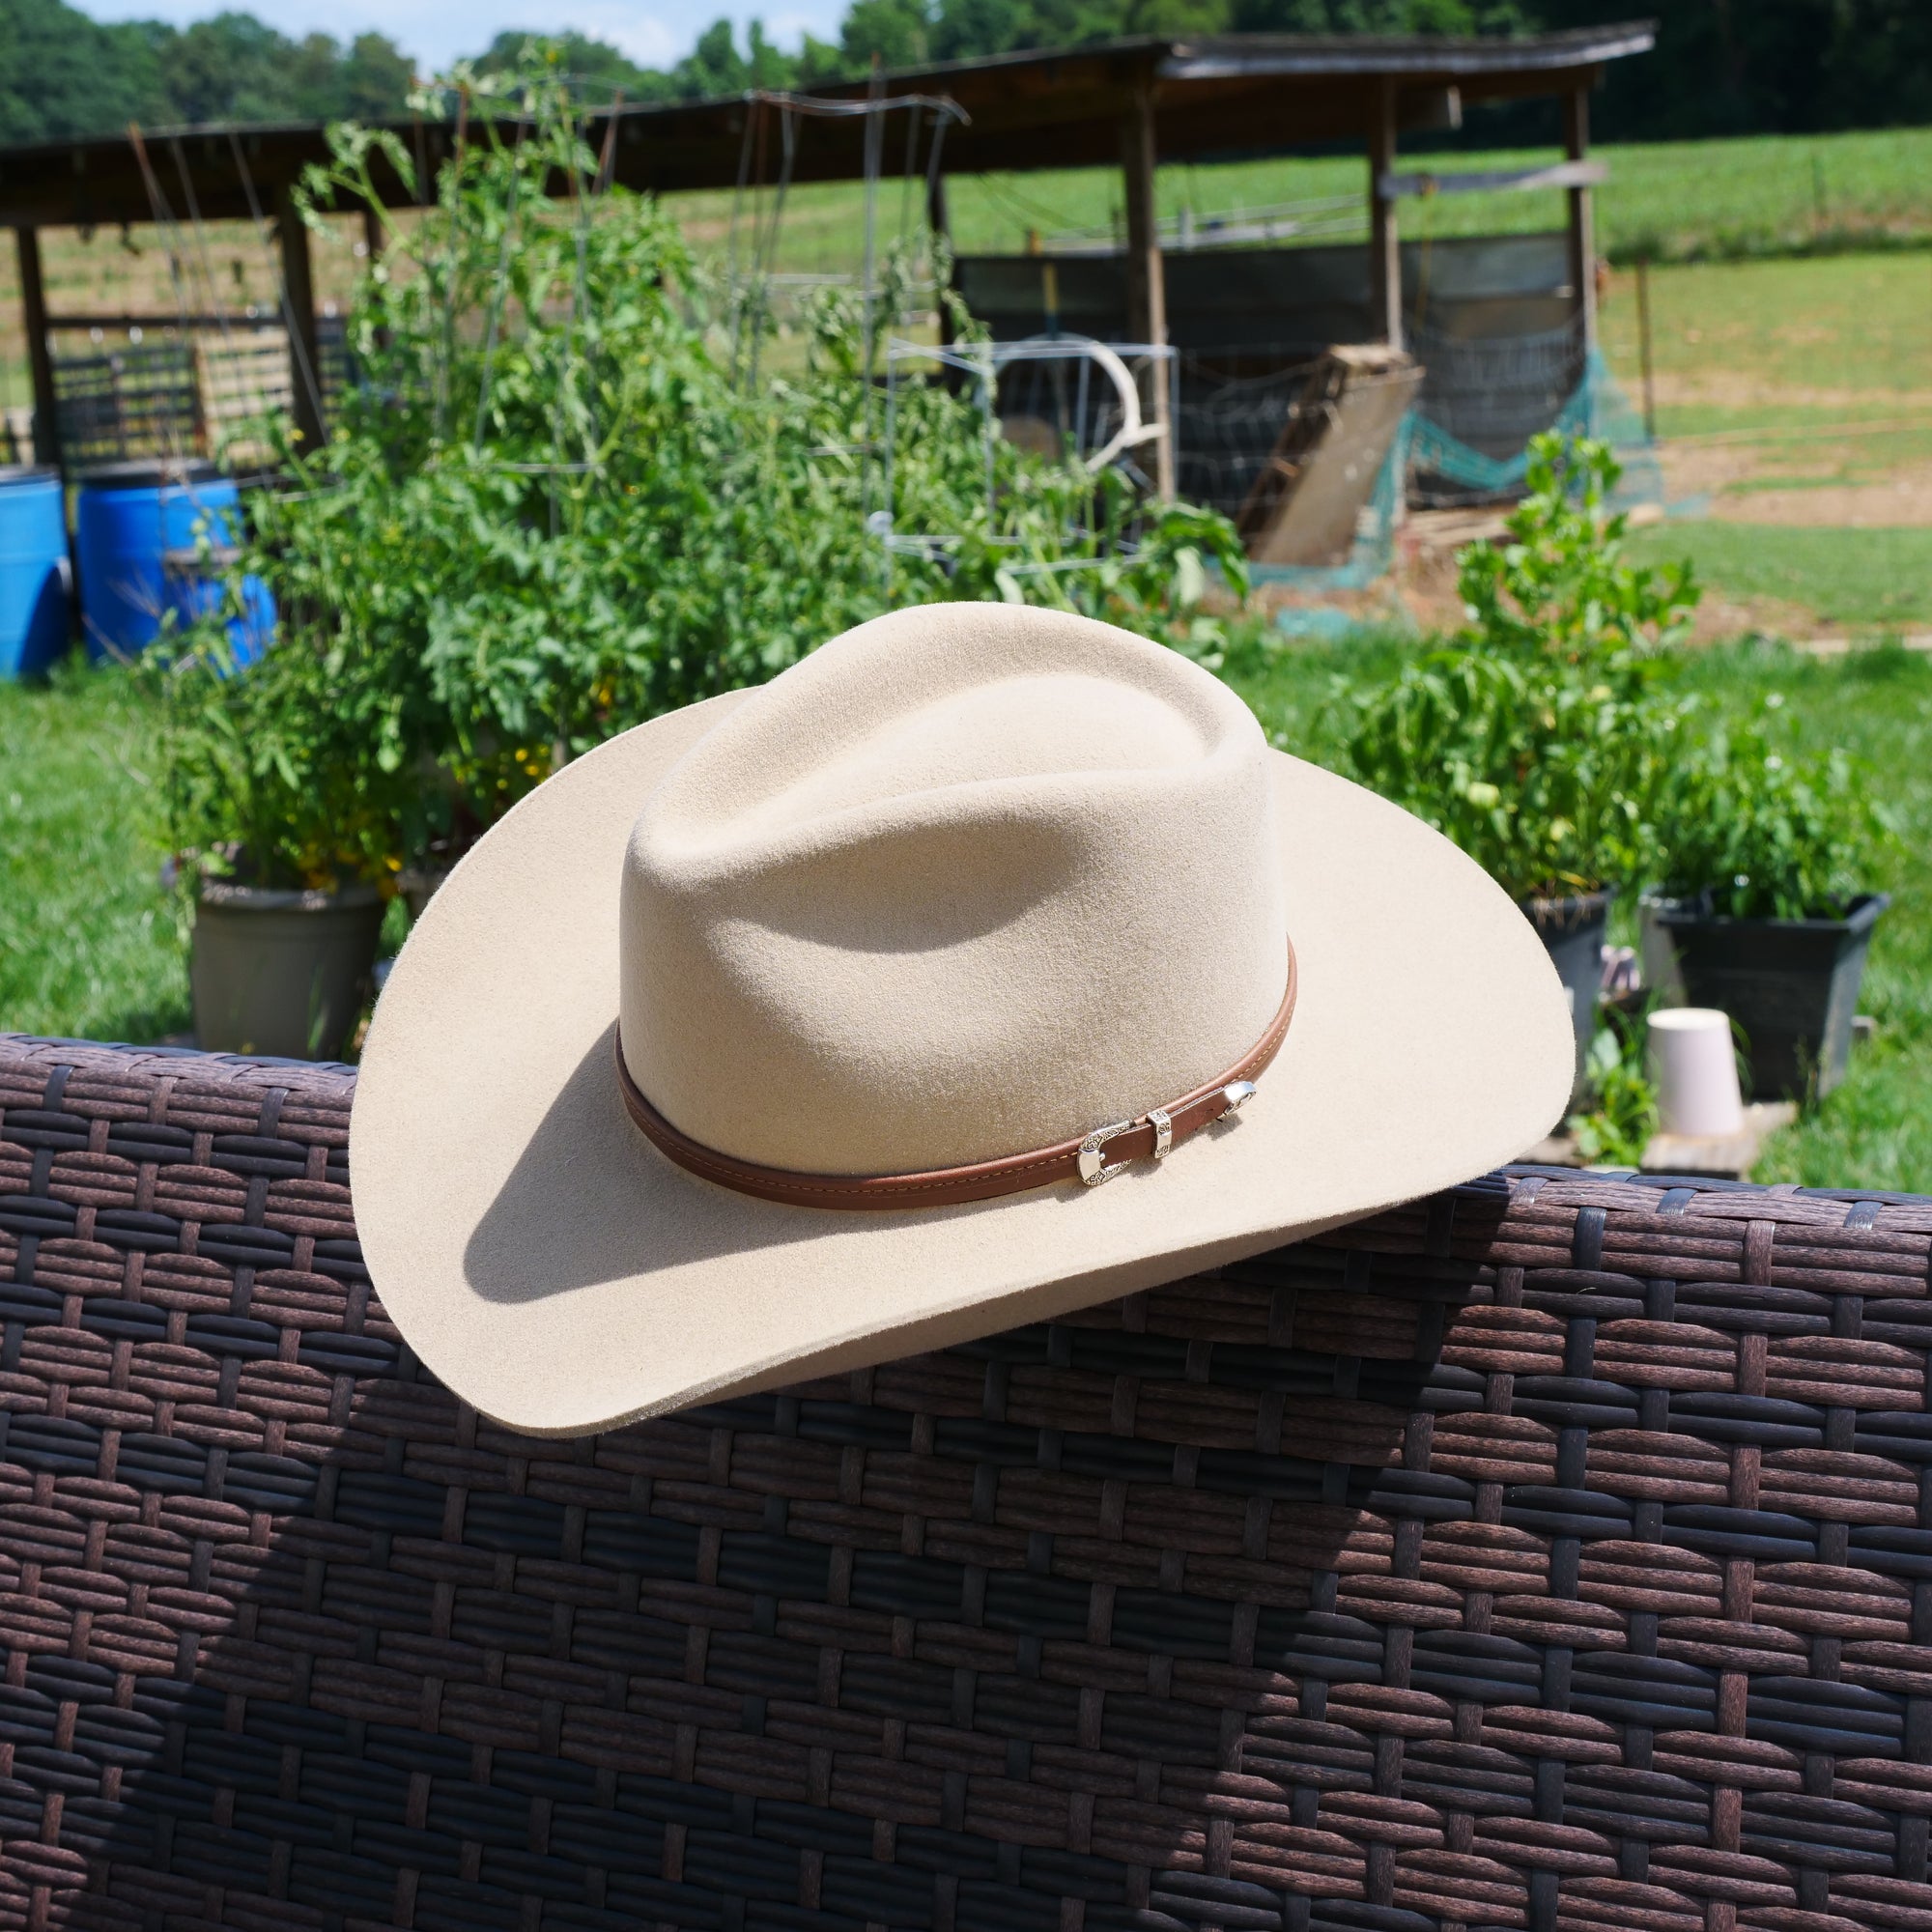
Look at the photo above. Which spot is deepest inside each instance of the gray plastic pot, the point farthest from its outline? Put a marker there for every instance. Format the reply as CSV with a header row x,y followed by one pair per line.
x,y
1791,985
281,973
1573,930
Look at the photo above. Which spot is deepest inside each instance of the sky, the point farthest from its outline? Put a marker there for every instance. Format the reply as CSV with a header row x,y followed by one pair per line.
x,y
438,31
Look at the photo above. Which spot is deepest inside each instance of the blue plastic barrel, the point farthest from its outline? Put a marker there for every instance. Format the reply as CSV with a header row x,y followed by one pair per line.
x,y
197,588
128,518
33,570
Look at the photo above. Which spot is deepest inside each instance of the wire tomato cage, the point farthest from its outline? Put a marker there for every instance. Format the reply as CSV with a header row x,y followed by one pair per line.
x,y
1068,397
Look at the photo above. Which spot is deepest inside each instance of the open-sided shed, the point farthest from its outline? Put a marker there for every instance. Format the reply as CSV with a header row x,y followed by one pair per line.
x,y
1130,103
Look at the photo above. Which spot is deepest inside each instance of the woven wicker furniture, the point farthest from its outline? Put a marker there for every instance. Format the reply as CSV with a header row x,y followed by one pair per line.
x,y
1556,1554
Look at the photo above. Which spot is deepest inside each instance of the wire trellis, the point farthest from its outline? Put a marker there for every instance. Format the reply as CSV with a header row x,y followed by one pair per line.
x,y
752,257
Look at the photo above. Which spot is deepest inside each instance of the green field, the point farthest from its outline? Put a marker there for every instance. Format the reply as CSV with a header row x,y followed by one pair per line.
x,y
1794,348
1867,580
90,943
1794,400
1670,200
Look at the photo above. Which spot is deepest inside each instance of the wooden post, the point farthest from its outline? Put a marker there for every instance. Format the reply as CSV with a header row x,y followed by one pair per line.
x,y
375,238
1146,274
1384,241
40,357
298,317
1643,344
941,244
1582,233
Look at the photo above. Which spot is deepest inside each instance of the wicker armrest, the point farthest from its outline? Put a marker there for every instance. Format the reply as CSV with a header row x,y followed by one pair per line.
x,y
1555,1552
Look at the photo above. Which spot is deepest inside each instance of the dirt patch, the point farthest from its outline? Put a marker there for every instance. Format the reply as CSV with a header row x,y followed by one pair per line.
x,y
1905,501
1747,484
1755,389
1718,619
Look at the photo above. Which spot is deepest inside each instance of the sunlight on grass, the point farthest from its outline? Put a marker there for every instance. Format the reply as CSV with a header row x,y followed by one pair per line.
x,y
1719,199
89,944
1831,336
1863,578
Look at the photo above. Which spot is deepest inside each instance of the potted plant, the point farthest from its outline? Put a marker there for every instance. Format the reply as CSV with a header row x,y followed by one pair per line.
x,y
283,818
1542,771
1766,905
1536,743
1537,739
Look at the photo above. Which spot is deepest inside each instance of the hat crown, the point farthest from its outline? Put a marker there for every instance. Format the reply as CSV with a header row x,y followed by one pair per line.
x,y
969,880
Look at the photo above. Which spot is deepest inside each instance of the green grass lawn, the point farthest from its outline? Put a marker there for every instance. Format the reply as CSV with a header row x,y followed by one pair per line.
x,y
1860,578
89,944
1876,1130
1668,199
1796,345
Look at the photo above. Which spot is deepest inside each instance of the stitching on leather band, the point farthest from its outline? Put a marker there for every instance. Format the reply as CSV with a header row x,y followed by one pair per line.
x,y
979,1181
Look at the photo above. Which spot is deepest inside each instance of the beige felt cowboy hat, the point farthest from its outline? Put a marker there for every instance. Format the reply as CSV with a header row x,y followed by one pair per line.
x,y
984,965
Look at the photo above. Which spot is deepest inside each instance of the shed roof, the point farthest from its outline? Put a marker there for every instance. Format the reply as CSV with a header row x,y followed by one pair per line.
x,y
1226,95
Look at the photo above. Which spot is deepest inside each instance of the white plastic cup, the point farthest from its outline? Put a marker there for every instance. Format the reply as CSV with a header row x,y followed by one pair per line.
x,y
1697,1071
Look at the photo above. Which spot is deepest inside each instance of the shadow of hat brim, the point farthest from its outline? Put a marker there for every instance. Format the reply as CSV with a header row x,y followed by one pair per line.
x,y
558,1272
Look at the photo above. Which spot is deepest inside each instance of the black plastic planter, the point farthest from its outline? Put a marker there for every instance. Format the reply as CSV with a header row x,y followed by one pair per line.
x,y
1791,986
1573,929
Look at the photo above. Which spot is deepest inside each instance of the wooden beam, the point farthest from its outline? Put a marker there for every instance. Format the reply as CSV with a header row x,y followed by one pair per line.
x,y
299,315
1583,227
1147,272
162,320
374,237
1384,242
40,357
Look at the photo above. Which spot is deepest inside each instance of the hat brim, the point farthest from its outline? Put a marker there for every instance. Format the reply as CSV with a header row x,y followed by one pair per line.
x,y
558,1272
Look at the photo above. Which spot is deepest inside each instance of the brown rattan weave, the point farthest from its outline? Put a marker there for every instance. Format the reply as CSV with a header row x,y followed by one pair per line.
x,y
1556,1554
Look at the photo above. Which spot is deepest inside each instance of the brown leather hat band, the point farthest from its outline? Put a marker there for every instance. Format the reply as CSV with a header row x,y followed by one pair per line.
x,y
1098,1157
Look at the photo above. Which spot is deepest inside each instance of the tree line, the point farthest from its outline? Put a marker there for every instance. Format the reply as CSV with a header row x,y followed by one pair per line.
x,y
63,74
1721,65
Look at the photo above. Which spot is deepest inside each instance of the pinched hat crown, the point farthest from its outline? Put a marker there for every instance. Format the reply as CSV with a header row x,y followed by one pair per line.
x,y
969,881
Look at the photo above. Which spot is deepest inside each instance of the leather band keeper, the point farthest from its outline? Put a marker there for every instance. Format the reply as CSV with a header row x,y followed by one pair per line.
x,y
1096,1157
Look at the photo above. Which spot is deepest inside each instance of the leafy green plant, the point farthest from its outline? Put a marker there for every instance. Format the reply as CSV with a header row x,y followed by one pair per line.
x,y
1560,585
1543,772
267,775
1538,741
549,510
1754,829
1617,1128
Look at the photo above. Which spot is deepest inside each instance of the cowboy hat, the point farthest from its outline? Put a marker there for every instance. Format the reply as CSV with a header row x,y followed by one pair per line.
x,y
909,997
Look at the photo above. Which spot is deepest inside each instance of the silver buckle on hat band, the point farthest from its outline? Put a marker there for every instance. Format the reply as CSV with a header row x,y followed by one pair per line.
x,y
1094,1167
1092,1170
